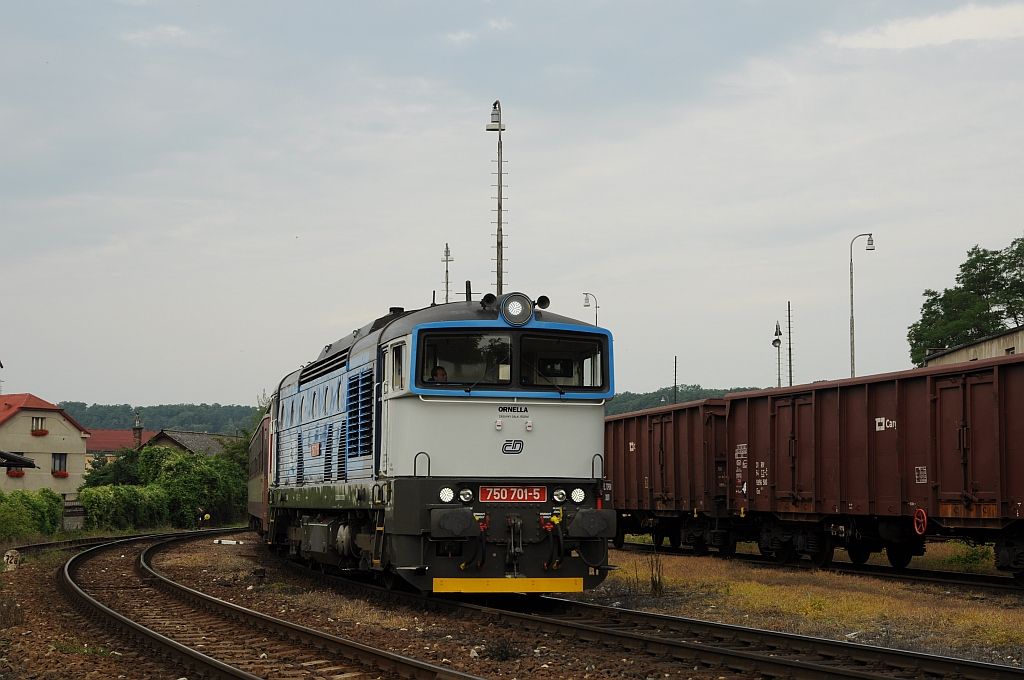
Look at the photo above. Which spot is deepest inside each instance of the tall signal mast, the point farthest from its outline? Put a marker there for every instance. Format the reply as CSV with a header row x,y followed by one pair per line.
x,y
497,126
446,259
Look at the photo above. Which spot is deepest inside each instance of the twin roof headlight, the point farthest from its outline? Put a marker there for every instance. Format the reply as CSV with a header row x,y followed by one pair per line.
x,y
517,308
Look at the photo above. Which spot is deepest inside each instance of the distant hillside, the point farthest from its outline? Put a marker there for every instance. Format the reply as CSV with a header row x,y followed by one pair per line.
x,y
213,418
631,401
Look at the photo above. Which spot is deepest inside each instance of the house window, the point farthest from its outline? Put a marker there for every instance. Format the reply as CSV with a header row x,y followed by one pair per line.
x,y
1011,350
38,423
60,462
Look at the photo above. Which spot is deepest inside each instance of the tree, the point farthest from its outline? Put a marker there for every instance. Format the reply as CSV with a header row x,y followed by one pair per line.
x,y
988,298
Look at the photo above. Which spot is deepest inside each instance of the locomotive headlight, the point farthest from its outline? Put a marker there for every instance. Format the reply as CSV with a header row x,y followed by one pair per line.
x,y
466,495
559,495
447,495
516,309
578,495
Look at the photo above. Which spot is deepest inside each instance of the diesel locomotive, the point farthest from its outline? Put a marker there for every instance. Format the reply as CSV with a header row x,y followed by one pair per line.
x,y
455,448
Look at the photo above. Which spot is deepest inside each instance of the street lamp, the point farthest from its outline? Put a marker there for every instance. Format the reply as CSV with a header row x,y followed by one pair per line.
x,y
777,344
870,246
586,303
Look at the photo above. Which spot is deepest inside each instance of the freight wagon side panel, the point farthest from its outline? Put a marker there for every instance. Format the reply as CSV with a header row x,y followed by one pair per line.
x,y
661,466
912,423
1011,415
884,447
968,446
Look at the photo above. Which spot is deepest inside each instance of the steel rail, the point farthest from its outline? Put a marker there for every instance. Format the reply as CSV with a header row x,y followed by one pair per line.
x,y
714,645
394,664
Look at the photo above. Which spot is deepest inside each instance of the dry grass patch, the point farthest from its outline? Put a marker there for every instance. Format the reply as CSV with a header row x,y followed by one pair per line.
x,y
824,603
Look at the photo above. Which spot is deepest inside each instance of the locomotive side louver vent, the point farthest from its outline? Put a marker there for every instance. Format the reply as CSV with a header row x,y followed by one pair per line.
x,y
328,455
300,467
360,414
342,448
321,368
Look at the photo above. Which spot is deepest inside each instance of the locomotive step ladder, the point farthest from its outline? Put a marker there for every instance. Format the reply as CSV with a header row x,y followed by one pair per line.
x,y
377,549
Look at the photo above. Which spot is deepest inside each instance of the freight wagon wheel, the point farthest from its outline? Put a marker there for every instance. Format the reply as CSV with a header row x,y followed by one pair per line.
x,y
899,555
785,554
658,537
675,539
1019,576
859,554
823,556
700,547
728,549
619,541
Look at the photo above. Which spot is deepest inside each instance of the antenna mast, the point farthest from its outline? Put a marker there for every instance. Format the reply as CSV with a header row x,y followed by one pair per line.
x,y
497,126
446,259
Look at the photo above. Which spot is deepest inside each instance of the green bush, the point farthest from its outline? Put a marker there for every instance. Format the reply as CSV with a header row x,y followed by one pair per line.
x,y
124,506
970,556
26,513
177,485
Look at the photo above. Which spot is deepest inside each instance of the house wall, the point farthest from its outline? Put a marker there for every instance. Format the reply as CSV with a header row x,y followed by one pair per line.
x,y
1011,343
62,437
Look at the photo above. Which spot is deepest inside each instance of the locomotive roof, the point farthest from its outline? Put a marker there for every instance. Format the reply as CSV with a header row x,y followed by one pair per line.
x,y
400,322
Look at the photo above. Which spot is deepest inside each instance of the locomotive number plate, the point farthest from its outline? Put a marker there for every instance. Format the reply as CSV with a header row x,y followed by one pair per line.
x,y
513,494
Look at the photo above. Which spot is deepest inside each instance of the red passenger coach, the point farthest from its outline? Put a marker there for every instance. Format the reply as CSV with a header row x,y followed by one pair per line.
x,y
879,462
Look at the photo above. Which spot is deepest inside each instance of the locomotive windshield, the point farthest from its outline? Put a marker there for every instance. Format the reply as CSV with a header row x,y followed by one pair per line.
x,y
533,361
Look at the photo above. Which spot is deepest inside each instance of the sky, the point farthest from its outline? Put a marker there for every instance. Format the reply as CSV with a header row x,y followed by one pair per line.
x,y
196,197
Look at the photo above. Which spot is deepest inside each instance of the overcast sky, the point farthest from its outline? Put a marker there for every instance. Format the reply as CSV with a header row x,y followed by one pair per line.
x,y
196,197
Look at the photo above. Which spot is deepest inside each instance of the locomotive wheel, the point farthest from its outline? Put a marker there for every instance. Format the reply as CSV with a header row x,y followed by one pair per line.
x,y
899,555
858,553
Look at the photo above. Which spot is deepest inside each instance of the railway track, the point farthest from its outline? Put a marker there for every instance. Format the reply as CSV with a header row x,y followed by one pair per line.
x,y
947,578
116,584
745,652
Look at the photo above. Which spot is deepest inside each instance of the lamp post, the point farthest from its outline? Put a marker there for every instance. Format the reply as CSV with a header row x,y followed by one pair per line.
x,y
777,344
870,246
586,303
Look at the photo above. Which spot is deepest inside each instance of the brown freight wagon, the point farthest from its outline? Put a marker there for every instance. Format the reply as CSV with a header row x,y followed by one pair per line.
x,y
668,469
878,462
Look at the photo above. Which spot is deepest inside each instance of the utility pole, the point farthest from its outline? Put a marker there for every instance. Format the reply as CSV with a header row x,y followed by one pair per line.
x,y
675,379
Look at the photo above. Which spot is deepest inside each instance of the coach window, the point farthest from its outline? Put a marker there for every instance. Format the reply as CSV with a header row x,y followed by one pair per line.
x,y
398,367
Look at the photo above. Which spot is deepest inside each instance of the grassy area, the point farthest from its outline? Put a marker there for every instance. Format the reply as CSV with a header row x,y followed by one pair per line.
x,y
842,606
947,556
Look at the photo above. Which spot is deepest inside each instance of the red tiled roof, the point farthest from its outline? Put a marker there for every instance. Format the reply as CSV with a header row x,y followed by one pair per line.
x,y
10,404
114,440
